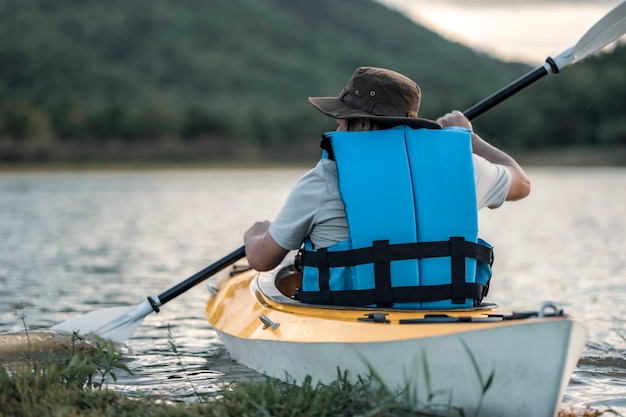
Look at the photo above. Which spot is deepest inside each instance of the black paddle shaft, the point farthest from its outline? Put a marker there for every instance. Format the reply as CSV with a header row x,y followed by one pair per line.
x,y
200,276
513,88
471,113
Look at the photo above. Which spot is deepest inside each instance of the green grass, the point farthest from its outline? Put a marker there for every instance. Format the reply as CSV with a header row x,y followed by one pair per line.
x,y
50,392
77,386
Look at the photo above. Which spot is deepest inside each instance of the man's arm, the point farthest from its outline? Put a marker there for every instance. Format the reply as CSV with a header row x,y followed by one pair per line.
x,y
520,185
261,249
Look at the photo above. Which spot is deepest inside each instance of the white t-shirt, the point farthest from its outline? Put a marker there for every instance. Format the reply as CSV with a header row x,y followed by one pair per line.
x,y
314,207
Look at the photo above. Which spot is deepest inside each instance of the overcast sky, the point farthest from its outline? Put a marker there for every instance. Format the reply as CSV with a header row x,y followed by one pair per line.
x,y
518,30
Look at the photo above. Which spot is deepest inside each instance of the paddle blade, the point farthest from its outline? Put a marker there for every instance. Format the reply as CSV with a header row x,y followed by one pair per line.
x,y
607,30
117,324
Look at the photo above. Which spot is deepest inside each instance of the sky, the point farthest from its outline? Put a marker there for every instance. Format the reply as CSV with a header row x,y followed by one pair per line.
x,y
513,30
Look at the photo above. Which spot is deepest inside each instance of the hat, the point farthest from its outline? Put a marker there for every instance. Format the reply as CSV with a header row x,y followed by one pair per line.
x,y
379,94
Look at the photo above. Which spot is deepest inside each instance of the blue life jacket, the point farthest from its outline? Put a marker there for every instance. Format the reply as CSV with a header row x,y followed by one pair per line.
x,y
410,202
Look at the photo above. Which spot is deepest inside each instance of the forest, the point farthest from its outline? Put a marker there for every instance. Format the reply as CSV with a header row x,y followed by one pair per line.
x,y
228,80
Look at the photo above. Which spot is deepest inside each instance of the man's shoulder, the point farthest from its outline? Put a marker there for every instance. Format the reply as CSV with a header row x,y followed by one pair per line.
x,y
324,170
318,180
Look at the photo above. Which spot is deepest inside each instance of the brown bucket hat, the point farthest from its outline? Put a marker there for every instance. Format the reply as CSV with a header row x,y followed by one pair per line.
x,y
379,94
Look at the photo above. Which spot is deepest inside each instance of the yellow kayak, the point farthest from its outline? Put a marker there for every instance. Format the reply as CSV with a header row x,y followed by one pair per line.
x,y
482,360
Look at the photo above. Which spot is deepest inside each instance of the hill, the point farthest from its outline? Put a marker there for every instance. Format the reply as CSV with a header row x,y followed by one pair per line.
x,y
145,79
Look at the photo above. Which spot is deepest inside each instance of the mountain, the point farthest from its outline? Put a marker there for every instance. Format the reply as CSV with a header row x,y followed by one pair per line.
x,y
236,74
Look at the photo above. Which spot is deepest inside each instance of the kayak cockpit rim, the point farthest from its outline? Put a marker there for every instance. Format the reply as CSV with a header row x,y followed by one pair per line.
x,y
280,284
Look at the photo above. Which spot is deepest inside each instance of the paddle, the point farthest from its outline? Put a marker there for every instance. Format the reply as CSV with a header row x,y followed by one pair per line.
x,y
608,29
120,323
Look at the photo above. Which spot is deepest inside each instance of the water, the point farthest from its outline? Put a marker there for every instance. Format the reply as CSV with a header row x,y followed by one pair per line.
x,y
82,241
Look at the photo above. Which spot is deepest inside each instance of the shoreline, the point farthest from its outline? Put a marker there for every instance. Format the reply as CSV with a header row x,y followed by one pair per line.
x,y
571,157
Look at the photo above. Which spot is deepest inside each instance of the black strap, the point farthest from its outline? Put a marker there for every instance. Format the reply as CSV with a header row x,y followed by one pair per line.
x,y
401,252
324,276
327,146
382,273
399,295
457,260
380,254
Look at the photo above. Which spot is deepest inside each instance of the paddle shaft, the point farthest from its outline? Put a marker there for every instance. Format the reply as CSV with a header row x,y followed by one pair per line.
x,y
608,29
511,89
200,276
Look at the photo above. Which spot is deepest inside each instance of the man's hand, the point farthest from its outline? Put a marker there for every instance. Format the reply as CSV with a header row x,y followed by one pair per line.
x,y
455,118
261,249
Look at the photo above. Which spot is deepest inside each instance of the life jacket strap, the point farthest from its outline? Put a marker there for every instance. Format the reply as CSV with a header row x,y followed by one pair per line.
x,y
399,295
381,254
457,255
397,252
324,275
382,273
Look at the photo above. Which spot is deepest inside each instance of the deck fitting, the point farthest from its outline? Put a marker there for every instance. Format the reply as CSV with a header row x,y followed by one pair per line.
x,y
375,318
267,322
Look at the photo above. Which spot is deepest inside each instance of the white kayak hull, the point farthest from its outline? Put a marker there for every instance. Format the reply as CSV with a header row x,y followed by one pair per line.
x,y
519,367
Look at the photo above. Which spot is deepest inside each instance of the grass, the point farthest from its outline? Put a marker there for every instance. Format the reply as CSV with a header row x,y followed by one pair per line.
x,y
49,392
53,391
77,386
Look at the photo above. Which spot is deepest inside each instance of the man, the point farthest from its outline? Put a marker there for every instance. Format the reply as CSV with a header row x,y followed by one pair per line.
x,y
374,99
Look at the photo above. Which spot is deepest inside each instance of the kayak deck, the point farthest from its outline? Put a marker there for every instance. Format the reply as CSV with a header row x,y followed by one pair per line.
x,y
266,298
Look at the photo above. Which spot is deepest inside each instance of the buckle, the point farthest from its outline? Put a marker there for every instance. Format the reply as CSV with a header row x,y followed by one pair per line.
x,y
297,261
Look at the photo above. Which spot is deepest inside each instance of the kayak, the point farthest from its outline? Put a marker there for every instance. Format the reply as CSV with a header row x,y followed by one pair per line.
x,y
483,361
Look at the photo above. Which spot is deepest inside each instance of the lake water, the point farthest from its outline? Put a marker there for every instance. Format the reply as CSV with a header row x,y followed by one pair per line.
x,y
75,242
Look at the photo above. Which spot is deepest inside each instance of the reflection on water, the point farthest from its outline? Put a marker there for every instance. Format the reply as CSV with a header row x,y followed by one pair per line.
x,y
79,242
